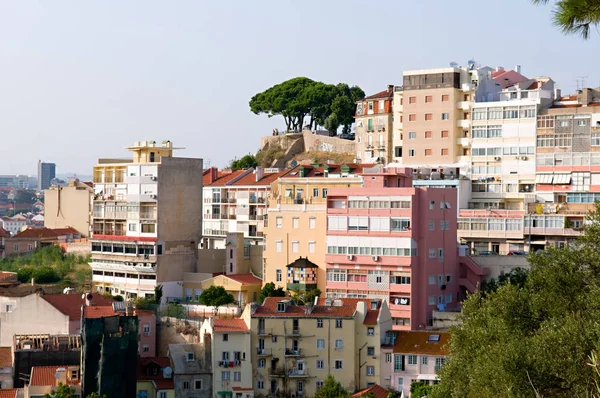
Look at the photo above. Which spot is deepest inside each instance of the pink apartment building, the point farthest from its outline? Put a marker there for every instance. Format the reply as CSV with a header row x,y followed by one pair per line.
x,y
392,241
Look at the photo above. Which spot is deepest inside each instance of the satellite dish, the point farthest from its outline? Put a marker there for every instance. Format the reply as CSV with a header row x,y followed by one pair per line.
x,y
294,163
90,296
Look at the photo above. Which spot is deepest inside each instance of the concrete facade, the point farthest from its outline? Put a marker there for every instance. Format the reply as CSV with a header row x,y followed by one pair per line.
x,y
69,206
374,127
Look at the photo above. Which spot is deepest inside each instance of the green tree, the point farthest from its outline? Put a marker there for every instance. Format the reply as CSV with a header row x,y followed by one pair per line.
x,y
245,162
532,340
62,391
95,395
516,276
331,389
418,389
158,294
215,296
309,296
575,16
332,124
25,196
269,290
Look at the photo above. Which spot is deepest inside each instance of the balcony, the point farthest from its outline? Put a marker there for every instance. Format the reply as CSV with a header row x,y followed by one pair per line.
x,y
293,353
291,372
264,352
464,123
499,213
464,105
464,141
560,208
467,87
265,332
256,217
294,332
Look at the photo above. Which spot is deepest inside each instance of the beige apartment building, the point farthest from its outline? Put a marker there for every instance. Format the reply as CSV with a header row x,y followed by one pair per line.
x,y
69,206
297,219
374,127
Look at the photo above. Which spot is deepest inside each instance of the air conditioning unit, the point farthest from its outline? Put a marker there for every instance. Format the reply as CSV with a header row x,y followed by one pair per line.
x,y
153,196
497,158
350,257
153,178
375,258
523,157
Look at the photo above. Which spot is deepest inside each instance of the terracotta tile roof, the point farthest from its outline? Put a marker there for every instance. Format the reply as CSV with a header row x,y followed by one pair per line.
x,y
164,384
9,393
376,390
36,233
65,231
534,85
223,178
102,311
163,362
381,94
4,276
158,379
230,326
6,360
70,304
4,233
89,184
46,376
413,342
269,309
371,317
302,263
267,179
245,279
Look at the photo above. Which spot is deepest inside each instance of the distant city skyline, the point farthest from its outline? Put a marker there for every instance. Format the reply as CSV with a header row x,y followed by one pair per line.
x,y
81,88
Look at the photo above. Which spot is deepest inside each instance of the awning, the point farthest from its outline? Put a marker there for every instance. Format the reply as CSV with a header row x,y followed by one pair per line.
x,y
428,377
544,178
562,178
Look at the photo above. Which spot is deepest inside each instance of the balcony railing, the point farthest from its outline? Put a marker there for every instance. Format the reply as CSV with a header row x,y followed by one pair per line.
x,y
265,332
264,352
560,208
293,353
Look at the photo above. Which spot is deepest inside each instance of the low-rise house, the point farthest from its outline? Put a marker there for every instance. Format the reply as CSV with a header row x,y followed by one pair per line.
x,y
46,379
192,369
32,238
155,378
6,367
231,356
245,288
417,357
4,234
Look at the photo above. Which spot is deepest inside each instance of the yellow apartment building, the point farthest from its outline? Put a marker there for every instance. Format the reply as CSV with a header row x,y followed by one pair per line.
x,y
69,206
155,378
297,218
231,357
295,347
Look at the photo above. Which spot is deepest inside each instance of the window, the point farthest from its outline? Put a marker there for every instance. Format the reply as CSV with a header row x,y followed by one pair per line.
x,y
300,386
261,363
311,247
197,384
339,344
444,134
225,376
320,344
163,394
444,151
370,370
445,98
411,152
185,385
312,222
260,385
423,360
295,222
412,117
412,135
428,134
237,376
148,228
431,225
370,351
319,323
412,359
439,362
441,253
338,364
278,275
225,337
190,356
145,348
427,152
381,105
398,363
400,382
388,358
280,307
324,192
278,246
132,227
428,99
595,139
431,300
428,116
274,339
320,364
319,384
336,275
295,246
431,204
431,253
370,332
581,122
445,116
278,222
338,323
412,100
225,355
399,224
9,307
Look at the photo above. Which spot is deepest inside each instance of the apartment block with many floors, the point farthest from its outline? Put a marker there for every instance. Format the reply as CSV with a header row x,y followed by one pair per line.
x,y
236,201
391,241
147,221
297,216
295,347
374,126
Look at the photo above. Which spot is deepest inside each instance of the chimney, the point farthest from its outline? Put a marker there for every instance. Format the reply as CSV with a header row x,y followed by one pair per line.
x,y
32,281
557,94
213,174
61,376
584,96
259,172
88,299
499,69
390,88
518,68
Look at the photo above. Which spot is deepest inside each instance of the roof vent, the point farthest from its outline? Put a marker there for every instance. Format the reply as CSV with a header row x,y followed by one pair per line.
x,y
337,303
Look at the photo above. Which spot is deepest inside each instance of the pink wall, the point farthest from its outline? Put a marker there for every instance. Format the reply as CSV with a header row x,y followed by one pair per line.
x,y
147,318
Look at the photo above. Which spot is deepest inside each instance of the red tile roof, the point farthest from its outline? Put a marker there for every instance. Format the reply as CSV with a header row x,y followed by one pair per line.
x,y
370,317
46,376
164,384
223,178
381,94
65,231
102,311
414,342
267,179
9,393
230,326
245,279
6,360
36,233
70,304
4,233
376,390
269,309
158,379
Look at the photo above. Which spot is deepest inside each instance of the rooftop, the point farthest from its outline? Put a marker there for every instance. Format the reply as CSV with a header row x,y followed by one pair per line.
x,y
303,171
151,368
103,311
41,233
228,178
416,342
46,376
382,94
339,308
302,262
376,391
70,304
245,279
230,326
183,363
9,393
4,233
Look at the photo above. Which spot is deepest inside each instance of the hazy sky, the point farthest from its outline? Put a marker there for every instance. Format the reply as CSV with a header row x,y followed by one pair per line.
x,y
83,79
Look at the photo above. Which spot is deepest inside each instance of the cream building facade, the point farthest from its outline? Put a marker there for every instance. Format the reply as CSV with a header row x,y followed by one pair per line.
x,y
69,206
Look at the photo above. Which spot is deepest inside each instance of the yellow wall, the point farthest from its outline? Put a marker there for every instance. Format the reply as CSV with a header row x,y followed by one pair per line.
x,y
147,386
68,206
241,293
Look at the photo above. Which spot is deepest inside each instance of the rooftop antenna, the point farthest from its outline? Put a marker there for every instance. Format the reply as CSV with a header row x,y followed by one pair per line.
x,y
581,81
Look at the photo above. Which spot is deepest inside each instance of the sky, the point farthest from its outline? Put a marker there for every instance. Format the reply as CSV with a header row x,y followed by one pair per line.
x,y
81,80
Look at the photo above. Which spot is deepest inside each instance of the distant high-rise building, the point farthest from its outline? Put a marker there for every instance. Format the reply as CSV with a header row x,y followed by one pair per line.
x,y
46,173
